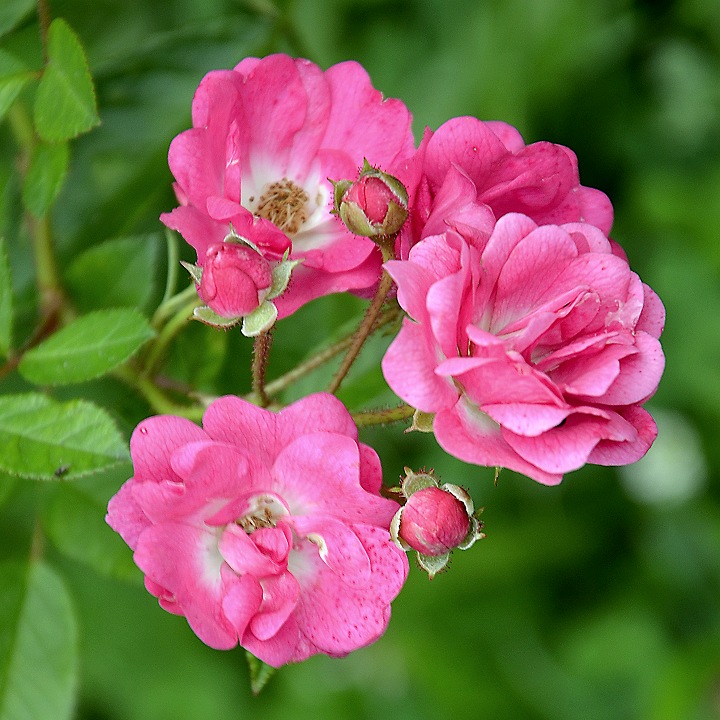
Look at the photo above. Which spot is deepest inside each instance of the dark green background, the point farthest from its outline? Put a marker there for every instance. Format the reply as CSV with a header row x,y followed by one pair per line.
x,y
598,599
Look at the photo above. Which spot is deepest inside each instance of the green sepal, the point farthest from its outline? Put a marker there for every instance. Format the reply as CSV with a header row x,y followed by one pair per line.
x,y
433,564
259,320
473,535
205,315
281,277
356,221
194,270
412,482
421,422
260,673
339,189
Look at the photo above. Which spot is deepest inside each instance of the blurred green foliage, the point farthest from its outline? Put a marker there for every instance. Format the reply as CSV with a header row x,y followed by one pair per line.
x,y
599,599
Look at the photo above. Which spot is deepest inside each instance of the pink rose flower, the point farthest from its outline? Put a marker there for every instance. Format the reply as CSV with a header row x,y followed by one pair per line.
x,y
467,162
534,352
263,529
266,137
235,279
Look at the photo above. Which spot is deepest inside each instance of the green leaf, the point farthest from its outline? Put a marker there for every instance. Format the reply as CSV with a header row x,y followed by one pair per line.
x,y
13,76
75,522
6,302
44,439
116,273
260,673
45,176
38,644
12,12
65,100
89,347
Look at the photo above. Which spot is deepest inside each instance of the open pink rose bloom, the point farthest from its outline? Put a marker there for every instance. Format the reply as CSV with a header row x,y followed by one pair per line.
x,y
266,137
263,529
533,350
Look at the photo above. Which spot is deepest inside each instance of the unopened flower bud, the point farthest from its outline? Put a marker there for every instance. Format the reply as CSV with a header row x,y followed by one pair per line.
x,y
375,205
238,283
235,279
433,521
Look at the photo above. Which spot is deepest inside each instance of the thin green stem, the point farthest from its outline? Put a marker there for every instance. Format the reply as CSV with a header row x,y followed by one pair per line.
x,y
261,354
172,265
383,416
321,357
170,306
156,397
53,303
168,333
366,326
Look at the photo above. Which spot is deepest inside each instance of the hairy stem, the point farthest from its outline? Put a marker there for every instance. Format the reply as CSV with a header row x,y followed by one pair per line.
x,y
383,416
366,326
261,354
323,356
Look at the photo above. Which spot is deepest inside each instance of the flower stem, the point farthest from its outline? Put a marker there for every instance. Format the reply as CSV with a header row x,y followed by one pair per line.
x,y
172,265
156,397
53,303
44,21
383,416
321,357
261,353
182,317
170,306
366,326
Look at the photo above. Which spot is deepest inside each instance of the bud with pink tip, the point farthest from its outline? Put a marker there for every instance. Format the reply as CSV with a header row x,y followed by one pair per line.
x,y
237,283
435,520
374,206
235,279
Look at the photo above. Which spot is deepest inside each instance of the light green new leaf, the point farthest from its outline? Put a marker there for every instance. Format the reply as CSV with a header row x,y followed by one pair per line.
x,y
44,439
116,273
45,176
89,347
38,644
65,100
13,76
12,12
6,302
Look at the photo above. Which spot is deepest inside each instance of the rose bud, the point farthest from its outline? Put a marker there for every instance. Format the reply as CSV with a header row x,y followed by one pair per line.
x,y
235,279
374,206
433,521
